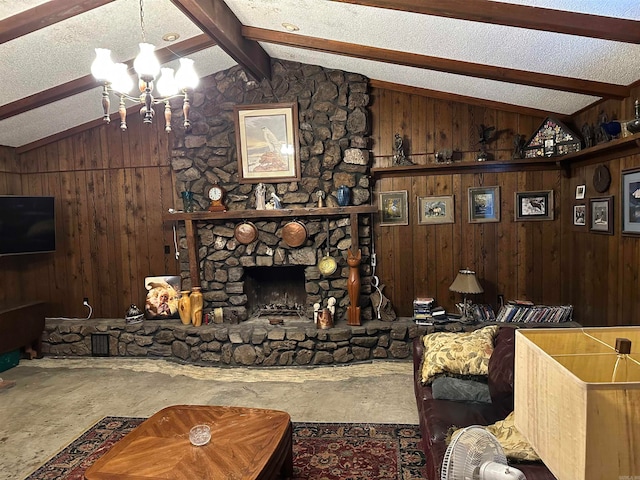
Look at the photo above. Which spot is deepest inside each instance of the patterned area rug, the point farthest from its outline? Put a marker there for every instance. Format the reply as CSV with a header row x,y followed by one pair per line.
x,y
321,451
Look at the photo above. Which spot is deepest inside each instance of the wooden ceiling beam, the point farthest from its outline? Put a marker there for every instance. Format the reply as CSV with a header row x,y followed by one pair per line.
x,y
217,20
500,74
44,15
87,82
522,16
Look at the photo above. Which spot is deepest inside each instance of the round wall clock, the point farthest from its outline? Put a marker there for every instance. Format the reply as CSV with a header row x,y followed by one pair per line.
x,y
216,194
601,179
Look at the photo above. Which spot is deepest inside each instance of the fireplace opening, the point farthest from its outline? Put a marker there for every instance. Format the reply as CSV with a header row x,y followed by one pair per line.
x,y
275,291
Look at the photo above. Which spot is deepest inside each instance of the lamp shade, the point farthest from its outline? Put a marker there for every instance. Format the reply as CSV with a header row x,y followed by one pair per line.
x,y
186,76
166,83
466,282
146,64
120,79
102,66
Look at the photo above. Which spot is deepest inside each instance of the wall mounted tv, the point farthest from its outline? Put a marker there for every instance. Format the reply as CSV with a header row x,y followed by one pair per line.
x,y
27,225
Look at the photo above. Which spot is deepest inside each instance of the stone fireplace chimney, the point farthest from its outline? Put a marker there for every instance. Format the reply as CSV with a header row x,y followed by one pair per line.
x,y
333,134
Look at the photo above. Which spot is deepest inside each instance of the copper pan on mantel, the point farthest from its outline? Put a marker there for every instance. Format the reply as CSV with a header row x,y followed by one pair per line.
x,y
246,233
295,233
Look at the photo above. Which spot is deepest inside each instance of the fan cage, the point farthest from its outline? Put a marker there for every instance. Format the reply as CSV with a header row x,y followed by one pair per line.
x,y
468,450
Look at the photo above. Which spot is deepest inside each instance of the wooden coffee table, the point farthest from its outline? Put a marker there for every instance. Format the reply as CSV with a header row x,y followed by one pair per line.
x,y
246,443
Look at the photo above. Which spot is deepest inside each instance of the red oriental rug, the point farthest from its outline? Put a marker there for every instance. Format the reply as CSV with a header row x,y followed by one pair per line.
x,y
321,451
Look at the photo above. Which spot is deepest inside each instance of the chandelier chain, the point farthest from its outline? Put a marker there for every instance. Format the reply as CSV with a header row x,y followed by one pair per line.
x,y
144,36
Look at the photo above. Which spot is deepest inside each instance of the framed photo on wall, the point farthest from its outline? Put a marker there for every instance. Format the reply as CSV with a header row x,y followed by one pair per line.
x,y
580,215
484,204
601,215
394,208
433,210
534,205
267,142
580,191
630,201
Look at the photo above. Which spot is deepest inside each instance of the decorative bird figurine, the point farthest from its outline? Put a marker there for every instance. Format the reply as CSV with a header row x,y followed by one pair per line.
x,y
487,134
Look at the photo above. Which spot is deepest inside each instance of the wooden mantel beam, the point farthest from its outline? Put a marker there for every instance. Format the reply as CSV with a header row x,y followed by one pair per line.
x,y
522,16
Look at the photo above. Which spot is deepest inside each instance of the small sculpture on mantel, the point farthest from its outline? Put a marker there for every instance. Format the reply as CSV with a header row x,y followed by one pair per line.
x,y
399,157
320,194
260,196
444,156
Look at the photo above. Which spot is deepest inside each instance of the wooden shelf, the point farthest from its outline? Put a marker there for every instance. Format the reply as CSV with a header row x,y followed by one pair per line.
x,y
467,167
601,152
281,213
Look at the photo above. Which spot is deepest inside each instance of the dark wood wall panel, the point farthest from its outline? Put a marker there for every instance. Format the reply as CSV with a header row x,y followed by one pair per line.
x,y
514,259
111,189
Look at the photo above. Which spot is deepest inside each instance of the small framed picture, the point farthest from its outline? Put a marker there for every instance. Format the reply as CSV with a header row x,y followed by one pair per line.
x,y
394,208
435,210
580,190
484,204
631,201
601,215
580,215
534,205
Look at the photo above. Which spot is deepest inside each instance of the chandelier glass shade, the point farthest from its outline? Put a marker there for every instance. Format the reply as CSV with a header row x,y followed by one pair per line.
x,y
116,79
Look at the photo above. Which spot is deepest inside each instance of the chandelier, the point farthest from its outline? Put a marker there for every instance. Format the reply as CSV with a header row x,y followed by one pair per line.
x,y
117,80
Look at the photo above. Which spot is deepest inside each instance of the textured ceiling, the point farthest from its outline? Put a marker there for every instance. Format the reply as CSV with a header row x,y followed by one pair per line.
x,y
63,52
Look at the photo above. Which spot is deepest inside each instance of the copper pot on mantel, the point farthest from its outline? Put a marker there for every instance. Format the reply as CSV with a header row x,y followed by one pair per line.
x,y
246,233
295,233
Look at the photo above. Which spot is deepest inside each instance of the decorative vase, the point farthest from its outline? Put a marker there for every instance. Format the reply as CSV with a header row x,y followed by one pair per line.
x,y
344,195
197,303
187,200
184,307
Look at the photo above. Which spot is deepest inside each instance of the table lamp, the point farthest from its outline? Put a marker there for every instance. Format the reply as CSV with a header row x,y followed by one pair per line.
x,y
466,283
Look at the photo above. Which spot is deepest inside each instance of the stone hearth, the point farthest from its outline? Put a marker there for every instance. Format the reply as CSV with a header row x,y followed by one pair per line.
x,y
251,343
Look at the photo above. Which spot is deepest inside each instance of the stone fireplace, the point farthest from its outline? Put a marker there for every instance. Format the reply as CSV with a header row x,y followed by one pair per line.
x,y
333,134
241,279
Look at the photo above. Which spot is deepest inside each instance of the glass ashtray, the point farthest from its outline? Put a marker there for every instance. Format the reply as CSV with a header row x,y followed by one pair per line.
x,y
200,435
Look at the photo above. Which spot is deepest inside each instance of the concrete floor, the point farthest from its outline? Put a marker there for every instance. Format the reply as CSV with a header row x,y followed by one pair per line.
x,y
56,399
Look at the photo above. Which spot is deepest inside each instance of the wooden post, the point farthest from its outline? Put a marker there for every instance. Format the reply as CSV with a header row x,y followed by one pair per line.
x,y
353,287
192,246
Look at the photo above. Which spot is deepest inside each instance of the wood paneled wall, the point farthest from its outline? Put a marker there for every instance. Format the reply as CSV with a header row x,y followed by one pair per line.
x,y
110,189
514,259
547,262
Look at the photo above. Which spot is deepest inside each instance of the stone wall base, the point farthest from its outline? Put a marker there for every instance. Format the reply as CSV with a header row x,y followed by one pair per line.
x,y
253,343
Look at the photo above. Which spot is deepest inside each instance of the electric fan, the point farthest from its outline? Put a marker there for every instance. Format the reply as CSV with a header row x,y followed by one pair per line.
x,y
475,454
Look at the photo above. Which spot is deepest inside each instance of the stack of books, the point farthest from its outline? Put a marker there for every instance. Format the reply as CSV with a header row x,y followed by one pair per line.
x,y
426,313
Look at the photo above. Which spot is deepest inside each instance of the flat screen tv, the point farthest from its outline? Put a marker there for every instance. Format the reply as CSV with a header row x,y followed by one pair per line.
x,y
27,225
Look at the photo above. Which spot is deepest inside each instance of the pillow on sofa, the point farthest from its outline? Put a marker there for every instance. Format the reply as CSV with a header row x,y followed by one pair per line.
x,y
516,447
465,353
460,390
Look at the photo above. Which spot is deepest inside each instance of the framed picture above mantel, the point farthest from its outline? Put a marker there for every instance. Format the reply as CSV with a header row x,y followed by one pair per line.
x,y
267,142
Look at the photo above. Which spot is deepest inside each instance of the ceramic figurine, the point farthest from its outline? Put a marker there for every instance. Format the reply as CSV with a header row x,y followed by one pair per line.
x,y
260,196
